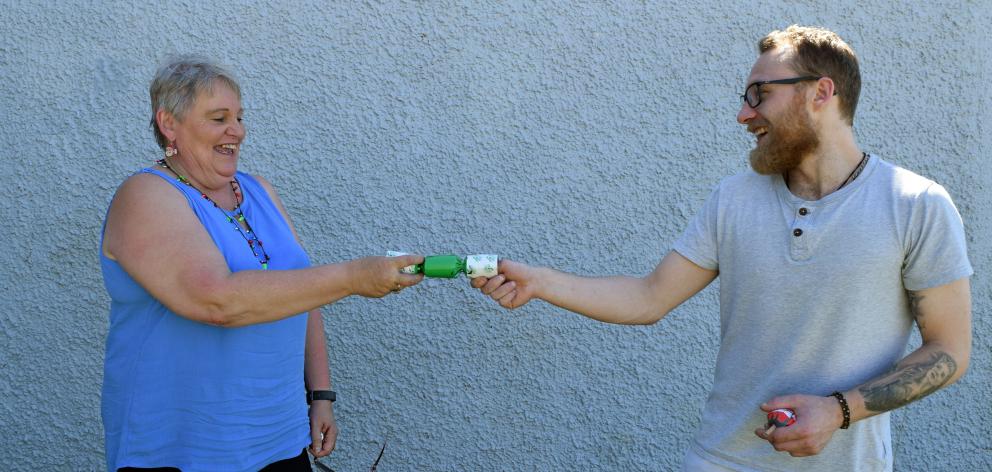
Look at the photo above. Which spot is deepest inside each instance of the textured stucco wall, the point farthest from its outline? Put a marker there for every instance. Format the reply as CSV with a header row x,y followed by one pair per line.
x,y
578,136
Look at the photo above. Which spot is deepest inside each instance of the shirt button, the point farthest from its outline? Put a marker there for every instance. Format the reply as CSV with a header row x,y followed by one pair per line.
x,y
797,232
803,211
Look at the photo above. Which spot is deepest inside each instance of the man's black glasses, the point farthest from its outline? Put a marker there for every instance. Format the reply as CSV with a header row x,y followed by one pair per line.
x,y
752,94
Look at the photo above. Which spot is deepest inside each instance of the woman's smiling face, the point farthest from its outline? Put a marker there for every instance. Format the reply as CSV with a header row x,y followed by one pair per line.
x,y
209,136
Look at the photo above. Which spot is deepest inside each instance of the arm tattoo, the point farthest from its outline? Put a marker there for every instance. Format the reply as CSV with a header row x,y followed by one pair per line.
x,y
915,299
908,383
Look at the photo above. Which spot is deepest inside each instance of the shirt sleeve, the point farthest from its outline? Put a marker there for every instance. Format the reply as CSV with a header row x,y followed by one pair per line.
x,y
937,251
699,241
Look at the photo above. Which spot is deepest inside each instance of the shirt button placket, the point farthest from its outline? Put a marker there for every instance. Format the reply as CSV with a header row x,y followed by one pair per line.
x,y
797,232
799,246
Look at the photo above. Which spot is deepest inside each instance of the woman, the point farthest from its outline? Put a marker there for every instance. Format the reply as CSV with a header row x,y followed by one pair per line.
x,y
215,332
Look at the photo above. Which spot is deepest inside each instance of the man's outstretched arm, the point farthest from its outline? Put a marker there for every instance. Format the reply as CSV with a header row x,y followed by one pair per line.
x,y
618,299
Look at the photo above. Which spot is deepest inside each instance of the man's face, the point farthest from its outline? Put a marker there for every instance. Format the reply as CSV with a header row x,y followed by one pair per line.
x,y
781,122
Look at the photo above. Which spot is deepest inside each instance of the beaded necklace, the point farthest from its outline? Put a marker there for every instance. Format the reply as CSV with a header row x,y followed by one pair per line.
x,y
234,217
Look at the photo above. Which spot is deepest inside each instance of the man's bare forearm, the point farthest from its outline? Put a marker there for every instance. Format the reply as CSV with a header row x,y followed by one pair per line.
x,y
618,299
942,315
910,380
627,300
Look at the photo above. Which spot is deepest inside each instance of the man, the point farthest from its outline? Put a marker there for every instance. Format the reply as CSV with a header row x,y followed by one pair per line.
x,y
836,247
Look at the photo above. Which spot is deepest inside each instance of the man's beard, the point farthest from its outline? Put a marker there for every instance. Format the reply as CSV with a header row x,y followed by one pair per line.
x,y
785,146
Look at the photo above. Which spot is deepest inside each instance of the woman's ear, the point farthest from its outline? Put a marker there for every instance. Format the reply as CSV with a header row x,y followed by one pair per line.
x,y
166,124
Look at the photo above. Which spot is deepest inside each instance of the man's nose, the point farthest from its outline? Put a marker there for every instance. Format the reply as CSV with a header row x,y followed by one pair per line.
x,y
746,113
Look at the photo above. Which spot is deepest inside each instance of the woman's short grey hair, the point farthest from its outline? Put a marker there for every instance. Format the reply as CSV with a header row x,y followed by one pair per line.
x,y
178,81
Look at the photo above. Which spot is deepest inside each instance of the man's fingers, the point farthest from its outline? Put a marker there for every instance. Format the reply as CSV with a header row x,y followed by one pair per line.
x,y
506,301
790,433
765,433
796,446
776,434
478,282
493,284
503,290
799,448
786,401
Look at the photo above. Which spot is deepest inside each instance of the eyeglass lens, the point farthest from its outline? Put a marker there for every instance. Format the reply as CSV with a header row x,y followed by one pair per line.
x,y
752,95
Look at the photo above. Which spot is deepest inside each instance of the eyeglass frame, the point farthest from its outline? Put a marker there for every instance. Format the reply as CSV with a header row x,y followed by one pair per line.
x,y
793,80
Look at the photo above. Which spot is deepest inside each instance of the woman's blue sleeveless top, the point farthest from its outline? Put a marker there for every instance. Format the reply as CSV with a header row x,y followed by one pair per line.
x,y
185,394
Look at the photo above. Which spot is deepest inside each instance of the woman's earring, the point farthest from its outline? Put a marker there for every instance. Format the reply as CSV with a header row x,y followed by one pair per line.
x,y
170,150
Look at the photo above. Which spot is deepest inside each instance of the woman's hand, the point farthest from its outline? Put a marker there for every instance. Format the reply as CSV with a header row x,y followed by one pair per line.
x,y
323,428
378,276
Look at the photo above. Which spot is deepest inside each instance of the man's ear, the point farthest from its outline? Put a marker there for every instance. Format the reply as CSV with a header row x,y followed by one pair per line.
x,y
166,124
825,91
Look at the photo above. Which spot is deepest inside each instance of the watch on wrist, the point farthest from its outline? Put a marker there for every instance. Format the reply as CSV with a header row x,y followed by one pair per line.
x,y
321,395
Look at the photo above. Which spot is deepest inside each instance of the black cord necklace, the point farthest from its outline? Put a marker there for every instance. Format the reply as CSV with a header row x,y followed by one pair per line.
x,y
856,172
850,178
235,217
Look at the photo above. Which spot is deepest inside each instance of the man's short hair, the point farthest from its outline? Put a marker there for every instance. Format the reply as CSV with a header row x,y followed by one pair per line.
x,y
821,53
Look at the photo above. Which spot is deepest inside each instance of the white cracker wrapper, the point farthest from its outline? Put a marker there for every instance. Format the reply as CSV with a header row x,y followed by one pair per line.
x,y
481,265
410,269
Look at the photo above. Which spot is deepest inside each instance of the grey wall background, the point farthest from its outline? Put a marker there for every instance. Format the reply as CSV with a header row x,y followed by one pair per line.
x,y
581,136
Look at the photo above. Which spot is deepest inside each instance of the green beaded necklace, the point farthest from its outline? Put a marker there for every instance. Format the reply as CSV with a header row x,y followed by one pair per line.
x,y
235,217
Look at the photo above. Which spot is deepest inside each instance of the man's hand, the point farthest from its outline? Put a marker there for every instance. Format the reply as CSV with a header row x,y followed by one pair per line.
x,y
323,428
816,420
513,287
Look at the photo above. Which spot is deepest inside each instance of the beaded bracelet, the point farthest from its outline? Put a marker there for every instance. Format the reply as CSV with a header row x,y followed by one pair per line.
x,y
844,409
